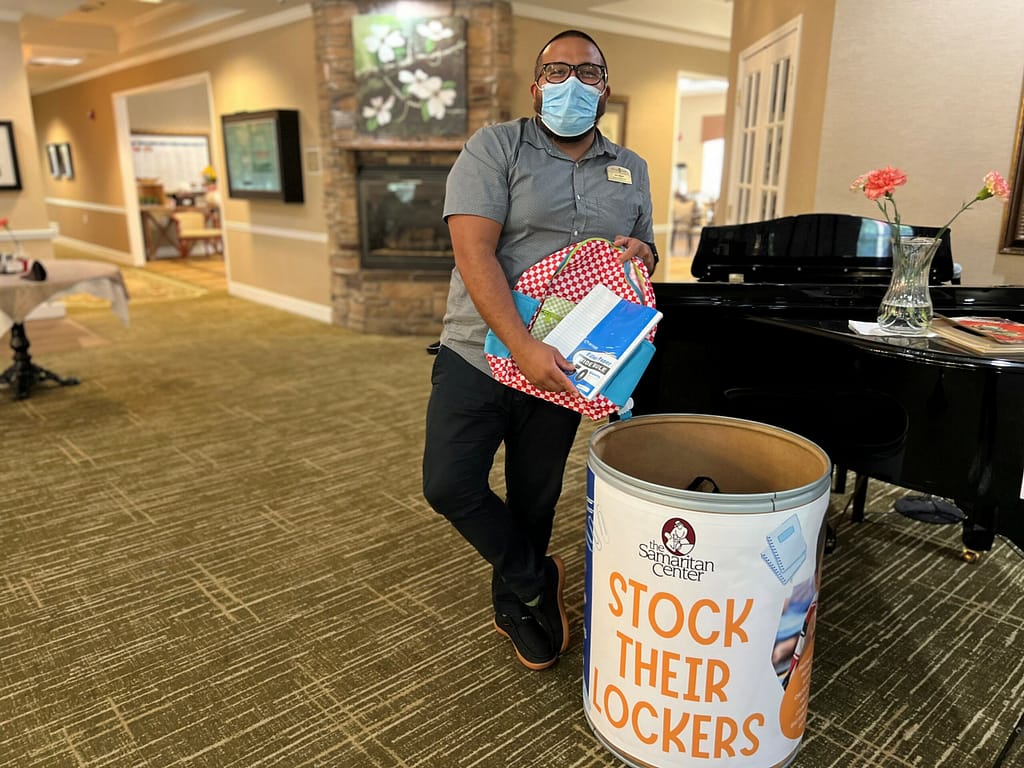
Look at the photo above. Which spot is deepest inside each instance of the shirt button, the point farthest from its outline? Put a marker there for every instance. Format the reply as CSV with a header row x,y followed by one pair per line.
x,y
577,197
575,232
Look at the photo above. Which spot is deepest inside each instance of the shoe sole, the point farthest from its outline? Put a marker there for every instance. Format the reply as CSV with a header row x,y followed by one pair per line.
x,y
535,666
561,602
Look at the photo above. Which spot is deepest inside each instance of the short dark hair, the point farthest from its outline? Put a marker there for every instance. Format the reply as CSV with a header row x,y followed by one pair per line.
x,y
559,36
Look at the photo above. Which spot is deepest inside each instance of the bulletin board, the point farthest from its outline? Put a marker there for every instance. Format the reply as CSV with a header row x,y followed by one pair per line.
x,y
173,159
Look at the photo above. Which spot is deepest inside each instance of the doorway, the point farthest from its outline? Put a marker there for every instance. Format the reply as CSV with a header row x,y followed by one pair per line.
x,y
763,126
181,107
698,155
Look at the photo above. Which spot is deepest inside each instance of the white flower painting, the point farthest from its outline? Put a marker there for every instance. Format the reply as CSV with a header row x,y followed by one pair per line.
x,y
410,75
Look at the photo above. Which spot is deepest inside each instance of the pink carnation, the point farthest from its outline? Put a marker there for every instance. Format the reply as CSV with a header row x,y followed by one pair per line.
x,y
996,185
883,181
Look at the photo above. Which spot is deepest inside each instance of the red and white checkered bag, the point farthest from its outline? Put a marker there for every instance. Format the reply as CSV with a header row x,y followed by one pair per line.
x,y
570,274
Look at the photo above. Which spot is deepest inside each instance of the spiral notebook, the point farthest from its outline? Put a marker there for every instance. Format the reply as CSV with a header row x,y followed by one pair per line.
x,y
786,550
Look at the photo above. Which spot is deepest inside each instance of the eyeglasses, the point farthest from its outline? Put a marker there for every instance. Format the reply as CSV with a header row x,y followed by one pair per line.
x,y
558,72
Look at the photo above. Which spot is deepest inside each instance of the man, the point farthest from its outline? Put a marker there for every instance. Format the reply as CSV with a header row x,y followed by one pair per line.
x,y
518,192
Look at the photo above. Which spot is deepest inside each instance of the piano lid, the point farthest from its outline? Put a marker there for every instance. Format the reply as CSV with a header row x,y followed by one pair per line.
x,y
809,248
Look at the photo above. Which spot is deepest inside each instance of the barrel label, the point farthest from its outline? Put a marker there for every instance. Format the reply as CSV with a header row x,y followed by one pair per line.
x,y
699,629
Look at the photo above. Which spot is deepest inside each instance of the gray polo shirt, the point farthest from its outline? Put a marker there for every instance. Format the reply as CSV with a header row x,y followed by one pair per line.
x,y
513,173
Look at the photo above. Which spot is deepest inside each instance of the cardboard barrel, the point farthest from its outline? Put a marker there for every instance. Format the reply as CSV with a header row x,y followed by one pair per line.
x,y
700,604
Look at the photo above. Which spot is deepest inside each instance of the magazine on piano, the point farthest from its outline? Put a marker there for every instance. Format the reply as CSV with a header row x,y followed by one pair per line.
x,y
983,335
598,335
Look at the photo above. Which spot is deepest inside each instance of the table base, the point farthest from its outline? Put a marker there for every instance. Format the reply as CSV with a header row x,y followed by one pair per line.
x,y
23,374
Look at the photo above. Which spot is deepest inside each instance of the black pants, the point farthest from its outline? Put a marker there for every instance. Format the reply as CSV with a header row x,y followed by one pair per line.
x,y
469,415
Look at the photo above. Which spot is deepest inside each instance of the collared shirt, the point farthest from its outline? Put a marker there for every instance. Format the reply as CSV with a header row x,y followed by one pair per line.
x,y
514,174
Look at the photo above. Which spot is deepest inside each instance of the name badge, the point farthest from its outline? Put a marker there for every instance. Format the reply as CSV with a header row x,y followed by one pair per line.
x,y
619,174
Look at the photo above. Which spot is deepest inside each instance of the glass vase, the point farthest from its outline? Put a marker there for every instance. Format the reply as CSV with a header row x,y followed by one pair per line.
x,y
906,308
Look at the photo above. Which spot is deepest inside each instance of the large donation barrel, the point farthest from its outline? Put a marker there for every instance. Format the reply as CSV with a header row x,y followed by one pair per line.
x,y
704,544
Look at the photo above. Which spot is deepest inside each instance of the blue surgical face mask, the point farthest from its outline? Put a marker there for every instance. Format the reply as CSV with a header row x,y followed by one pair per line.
x,y
569,108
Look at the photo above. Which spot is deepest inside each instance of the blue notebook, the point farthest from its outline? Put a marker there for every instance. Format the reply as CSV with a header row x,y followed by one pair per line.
x,y
786,550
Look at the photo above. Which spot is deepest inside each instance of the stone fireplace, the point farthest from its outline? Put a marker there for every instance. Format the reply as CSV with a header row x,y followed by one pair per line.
x,y
390,256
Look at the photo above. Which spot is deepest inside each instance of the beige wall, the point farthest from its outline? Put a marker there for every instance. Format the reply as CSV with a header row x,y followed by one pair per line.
x,y
26,208
941,104
265,240
753,20
648,80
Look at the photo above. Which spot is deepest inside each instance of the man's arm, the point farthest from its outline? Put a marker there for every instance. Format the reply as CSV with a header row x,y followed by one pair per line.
x,y
475,241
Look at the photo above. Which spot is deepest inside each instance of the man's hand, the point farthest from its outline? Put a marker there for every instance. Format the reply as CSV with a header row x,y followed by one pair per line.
x,y
544,366
634,247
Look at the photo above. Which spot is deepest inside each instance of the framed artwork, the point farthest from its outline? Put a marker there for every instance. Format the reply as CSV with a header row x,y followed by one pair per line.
x,y
410,75
67,170
10,177
613,121
53,158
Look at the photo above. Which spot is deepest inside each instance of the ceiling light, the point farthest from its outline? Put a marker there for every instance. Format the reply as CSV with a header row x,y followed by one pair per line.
x,y
55,61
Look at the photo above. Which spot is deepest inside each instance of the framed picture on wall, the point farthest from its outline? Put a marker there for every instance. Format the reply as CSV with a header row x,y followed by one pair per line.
x,y
53,158
67,170
10,178
613,121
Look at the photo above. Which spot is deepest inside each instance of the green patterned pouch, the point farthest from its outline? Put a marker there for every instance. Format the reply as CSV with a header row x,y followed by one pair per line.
x,y
551,313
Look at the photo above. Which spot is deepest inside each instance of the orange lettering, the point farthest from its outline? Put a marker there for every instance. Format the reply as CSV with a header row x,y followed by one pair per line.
x,y
677,608
694,633
700,736
638,589
723,742
651,737
748,731
670,732
618,722
732,623
668,674
616,579
714,684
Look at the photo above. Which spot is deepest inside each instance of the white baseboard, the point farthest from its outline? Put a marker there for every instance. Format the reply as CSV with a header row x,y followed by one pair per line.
x,y
321,312
121,257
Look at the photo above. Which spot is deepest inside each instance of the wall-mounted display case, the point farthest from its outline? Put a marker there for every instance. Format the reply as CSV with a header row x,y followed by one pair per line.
x,y
264,157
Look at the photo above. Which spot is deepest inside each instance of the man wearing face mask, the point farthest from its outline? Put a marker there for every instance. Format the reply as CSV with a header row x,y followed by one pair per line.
x,y
518,192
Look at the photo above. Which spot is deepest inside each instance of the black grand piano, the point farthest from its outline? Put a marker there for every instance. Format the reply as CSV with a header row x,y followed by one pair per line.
x,y
764,334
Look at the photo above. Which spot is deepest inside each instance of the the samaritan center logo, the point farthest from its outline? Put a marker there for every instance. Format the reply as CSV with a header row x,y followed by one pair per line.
x,y
678,537
670,557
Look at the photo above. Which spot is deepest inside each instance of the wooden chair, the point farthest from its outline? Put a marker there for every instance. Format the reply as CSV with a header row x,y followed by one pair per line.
x,y
192,228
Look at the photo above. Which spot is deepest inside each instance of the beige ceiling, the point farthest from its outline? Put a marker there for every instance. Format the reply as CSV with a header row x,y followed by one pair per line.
x,y
109,34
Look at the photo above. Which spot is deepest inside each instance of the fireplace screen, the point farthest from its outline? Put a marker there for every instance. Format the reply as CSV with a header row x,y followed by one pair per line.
x,y
400,222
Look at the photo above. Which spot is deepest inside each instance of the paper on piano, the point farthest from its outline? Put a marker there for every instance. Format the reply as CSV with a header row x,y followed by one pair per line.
x,y
598,336
873,329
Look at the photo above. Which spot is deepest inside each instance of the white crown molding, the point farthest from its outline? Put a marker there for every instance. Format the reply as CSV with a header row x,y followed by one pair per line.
x,y
243,29
591,22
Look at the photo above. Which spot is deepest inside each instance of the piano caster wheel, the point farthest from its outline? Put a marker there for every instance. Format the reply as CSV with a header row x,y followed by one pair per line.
x,y
970,555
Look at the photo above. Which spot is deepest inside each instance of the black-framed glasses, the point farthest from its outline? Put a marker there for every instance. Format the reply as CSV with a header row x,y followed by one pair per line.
x,y
559,71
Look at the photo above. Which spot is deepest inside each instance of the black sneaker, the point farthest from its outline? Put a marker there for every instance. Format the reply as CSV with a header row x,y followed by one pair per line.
x,y
550,611
531,642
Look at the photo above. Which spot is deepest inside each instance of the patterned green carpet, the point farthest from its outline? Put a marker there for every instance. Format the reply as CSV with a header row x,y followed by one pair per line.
x,y
215,552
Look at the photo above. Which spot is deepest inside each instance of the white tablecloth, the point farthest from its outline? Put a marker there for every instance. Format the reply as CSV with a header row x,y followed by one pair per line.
x,y
18,297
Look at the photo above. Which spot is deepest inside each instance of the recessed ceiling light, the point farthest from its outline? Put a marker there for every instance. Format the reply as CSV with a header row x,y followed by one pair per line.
x,y
55,61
